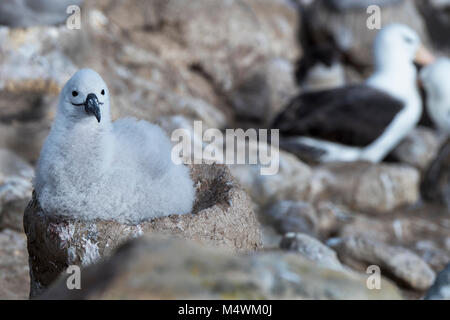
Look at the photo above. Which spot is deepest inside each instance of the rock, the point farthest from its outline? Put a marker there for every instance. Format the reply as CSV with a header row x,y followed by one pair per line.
x,y
440,4
440,290
347,28
399,263
331,218
436,16
12,166
419,148
344,5
321,77
160,268
15,189
26,14
423,231
14,272
225,53
292,182
270,237
34,65
292,216
435,183
377,188
311,249
222,216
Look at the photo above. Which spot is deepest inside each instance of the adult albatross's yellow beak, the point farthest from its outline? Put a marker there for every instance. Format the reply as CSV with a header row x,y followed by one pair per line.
x,y
424,56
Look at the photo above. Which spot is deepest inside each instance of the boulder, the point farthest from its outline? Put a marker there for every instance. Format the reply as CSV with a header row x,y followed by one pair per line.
x,y
292,216
424,231
222,216
398,263
311,249
418,148
235,56
14,273
367,187
159,268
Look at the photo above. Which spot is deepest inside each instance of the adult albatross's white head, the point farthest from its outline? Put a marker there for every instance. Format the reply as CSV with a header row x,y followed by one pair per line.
x,y
396,48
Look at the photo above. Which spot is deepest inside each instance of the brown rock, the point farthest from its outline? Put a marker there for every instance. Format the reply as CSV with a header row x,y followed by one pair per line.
x,y
370,187
424,231
222,216
225,54
159,268
398,263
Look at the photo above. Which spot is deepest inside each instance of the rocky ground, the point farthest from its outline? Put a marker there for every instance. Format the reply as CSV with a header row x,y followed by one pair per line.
x,y
230,64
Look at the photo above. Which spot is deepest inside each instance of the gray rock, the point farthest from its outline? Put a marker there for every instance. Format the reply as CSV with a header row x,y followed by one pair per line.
x,y
436,16
436,182
312,249
398,263
159,268
343,5
15,189
440,290
14,272
419,147
26,13
34,66
270,237
293,216
331,218
222,216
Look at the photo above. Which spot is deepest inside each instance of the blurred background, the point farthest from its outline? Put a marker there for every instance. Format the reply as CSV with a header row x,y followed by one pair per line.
x,y
233,64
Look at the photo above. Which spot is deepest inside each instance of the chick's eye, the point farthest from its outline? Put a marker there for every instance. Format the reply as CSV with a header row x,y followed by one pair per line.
x,y
74,93
103,92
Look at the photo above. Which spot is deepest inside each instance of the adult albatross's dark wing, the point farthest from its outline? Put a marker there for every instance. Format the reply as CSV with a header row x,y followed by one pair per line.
x,y
353,115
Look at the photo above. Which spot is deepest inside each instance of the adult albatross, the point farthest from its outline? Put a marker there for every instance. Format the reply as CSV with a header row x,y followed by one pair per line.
x,y
365,121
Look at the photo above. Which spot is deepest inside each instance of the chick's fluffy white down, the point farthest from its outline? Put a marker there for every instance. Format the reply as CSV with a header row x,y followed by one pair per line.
x,y
113,171
136,183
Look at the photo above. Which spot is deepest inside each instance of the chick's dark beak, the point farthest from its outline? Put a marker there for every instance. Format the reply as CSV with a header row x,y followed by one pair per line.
x,y
91,106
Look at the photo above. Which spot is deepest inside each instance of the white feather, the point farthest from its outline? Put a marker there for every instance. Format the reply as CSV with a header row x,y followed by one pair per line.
x,y
114,171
